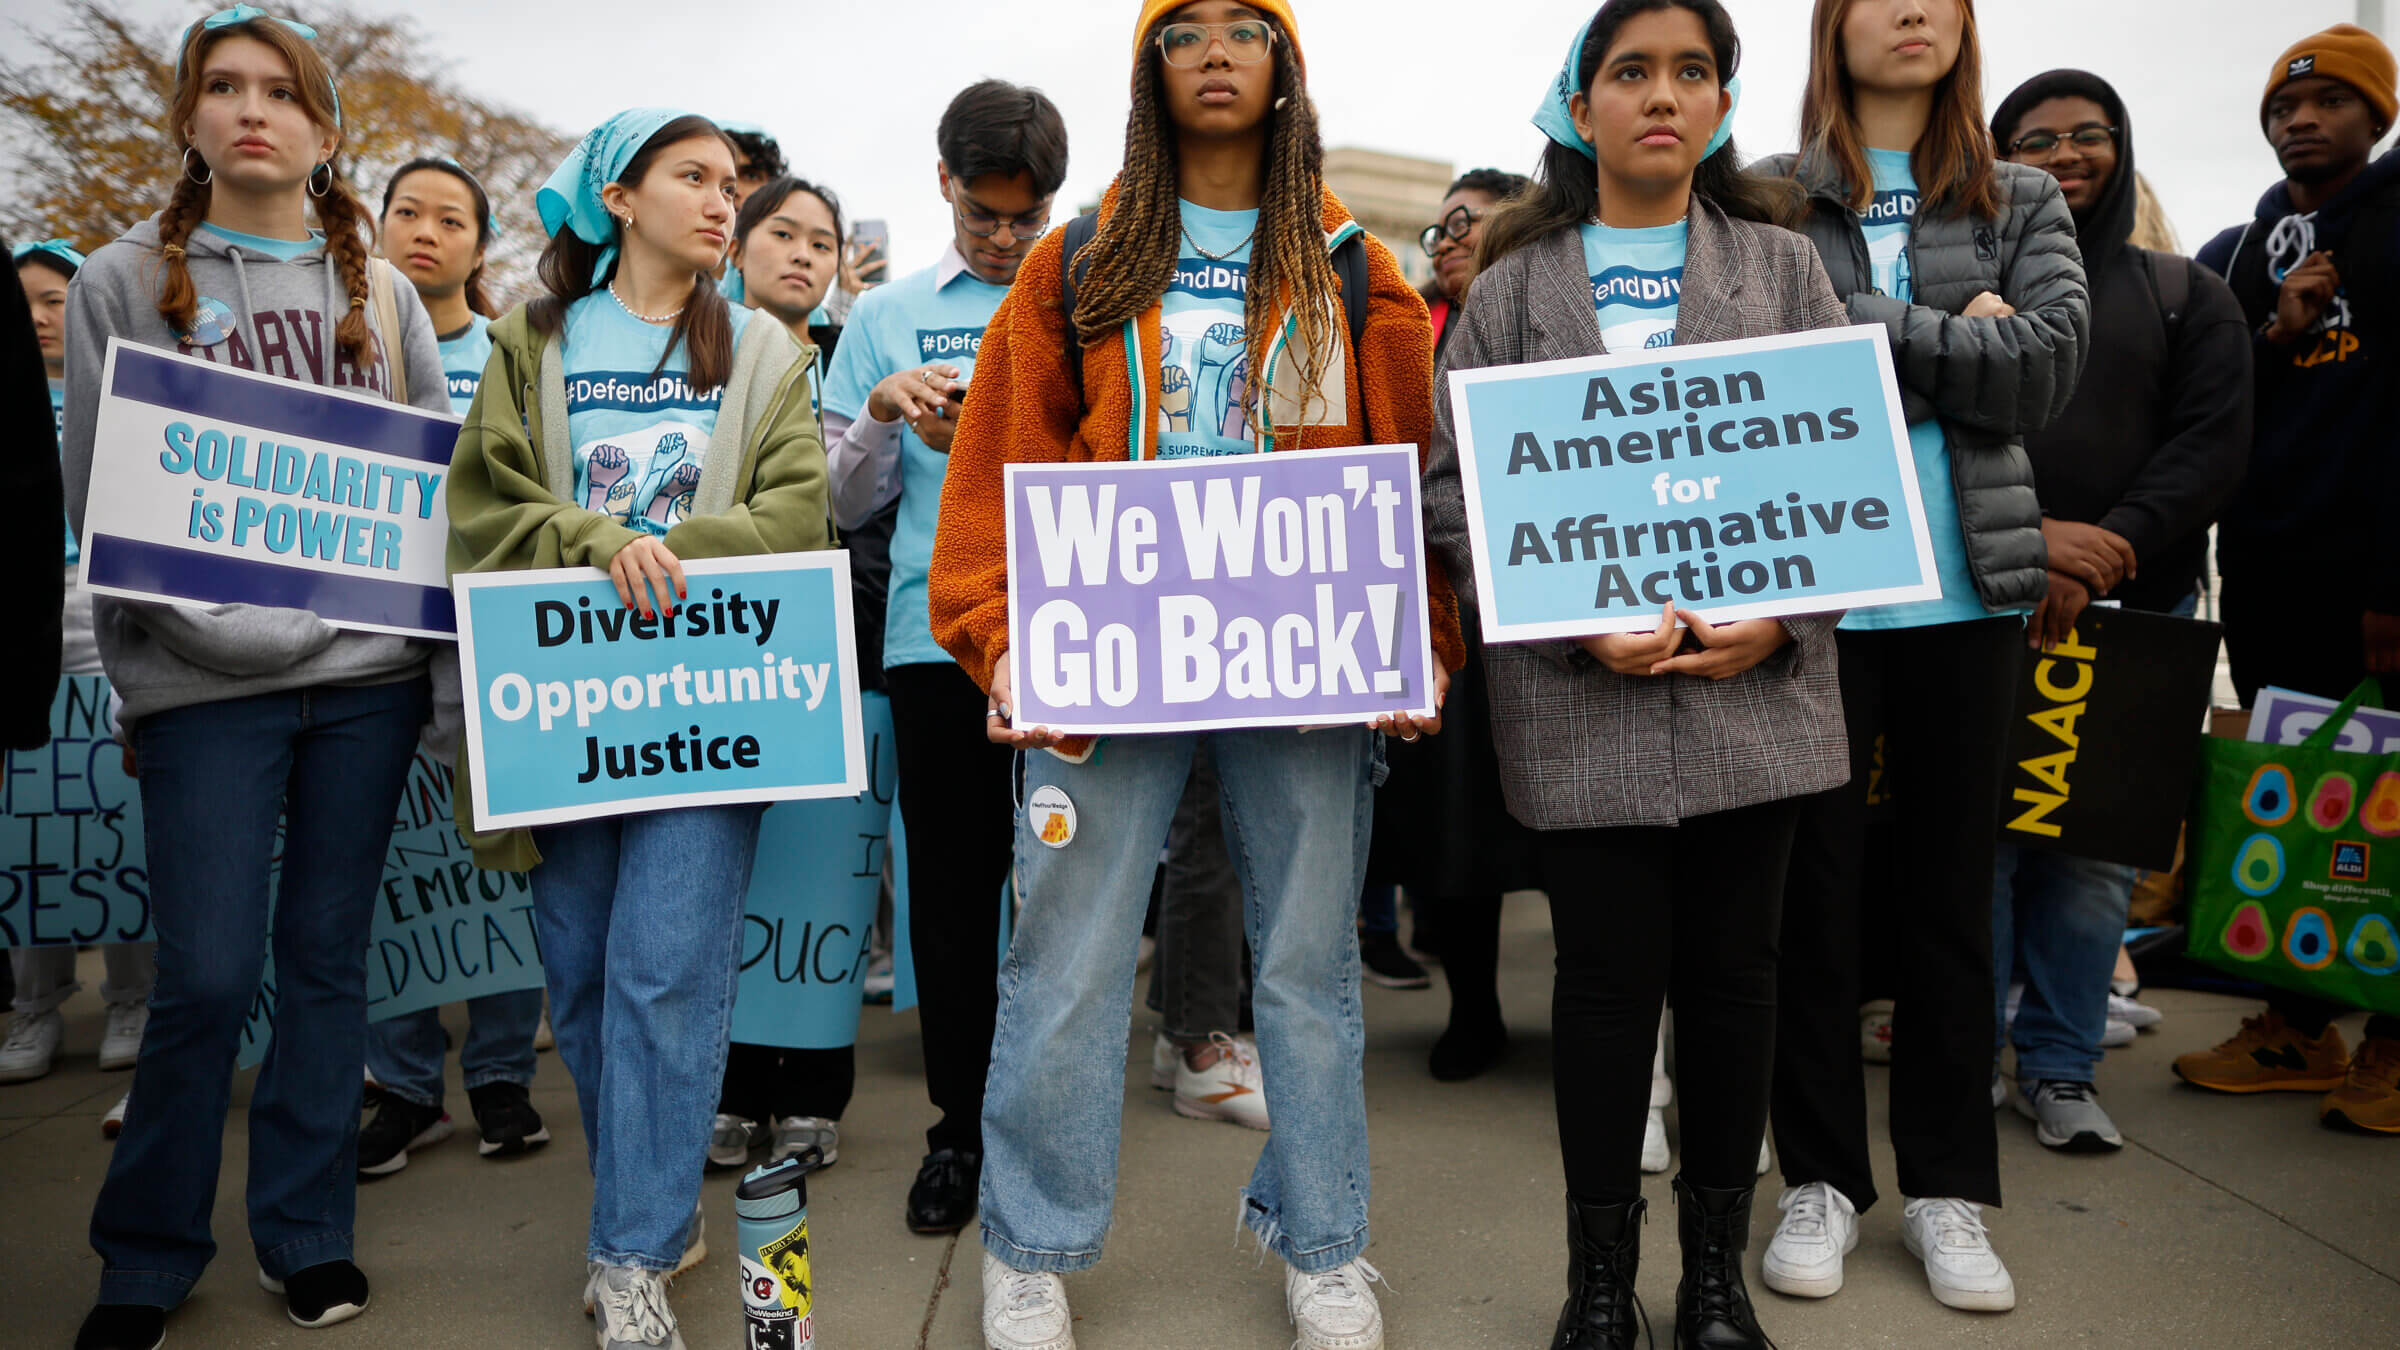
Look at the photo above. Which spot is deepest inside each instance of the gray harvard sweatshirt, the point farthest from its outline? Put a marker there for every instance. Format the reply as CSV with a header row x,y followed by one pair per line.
x,y
259,313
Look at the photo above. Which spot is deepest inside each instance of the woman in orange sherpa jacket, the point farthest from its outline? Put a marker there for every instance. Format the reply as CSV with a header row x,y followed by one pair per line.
x,y
1214,258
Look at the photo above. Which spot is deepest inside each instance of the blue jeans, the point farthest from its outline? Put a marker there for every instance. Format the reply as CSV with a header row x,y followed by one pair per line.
x,y
2058,921
214,776
405,1052
1298,809
640,919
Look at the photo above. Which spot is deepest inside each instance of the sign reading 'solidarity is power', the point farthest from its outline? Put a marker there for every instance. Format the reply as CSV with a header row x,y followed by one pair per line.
x,y
216,486
577,707
1741,480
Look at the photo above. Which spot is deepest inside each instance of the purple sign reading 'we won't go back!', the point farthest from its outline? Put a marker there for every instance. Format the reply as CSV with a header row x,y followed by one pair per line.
x,y
1285,589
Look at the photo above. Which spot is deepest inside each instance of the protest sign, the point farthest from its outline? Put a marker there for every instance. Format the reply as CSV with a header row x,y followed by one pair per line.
x,y
2106,737
1741,480
1285,589
445,929
73,817
579,707
212,485
2285,717
812,905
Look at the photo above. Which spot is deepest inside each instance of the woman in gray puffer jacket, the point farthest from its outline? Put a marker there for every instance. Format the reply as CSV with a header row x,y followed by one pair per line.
x,y
1971,266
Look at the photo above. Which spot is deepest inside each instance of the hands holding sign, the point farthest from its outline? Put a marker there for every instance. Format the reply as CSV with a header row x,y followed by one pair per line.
x,y
1725,649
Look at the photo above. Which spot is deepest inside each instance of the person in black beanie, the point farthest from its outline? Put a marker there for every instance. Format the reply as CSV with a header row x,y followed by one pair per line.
x,y
31,479
2130,477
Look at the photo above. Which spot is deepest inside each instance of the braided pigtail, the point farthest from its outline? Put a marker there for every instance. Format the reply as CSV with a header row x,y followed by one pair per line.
x,y
1131,260
1289,269
347,232
178,298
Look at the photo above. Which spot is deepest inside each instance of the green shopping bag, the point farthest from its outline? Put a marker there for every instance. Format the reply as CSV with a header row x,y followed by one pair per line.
x,y
2295,864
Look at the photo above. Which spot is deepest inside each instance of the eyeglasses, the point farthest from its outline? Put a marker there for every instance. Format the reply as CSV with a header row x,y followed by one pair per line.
x,y
983,224
1454,227
2043,144
1185,45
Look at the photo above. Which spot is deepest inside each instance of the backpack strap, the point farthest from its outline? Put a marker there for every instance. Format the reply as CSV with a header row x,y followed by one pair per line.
x,y
1350,264
2171,282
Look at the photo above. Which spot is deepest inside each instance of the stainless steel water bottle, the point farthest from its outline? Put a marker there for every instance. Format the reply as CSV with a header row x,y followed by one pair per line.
x,y
778,1292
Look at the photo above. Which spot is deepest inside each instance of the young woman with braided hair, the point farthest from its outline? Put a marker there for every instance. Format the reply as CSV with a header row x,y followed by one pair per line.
x,y
1213,254
240,714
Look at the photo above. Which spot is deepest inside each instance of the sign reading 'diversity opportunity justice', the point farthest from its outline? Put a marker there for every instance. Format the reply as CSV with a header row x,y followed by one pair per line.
x,y
1739,480
1284,589
579,707
213,486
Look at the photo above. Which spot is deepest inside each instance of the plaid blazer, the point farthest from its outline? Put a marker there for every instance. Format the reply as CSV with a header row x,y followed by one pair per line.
x,y
1579,745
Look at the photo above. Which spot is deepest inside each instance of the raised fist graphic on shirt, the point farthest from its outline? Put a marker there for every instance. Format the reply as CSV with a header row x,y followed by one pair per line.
x,y
607,465
1175,397
674,496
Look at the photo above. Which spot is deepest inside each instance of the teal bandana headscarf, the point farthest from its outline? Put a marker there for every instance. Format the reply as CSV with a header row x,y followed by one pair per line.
x,y
1554,120
227,18
570,199
59,248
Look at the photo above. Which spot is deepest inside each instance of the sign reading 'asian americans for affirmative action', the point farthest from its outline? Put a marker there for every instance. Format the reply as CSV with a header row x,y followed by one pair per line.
x,y
1740,480
1285,589
579,707
213,486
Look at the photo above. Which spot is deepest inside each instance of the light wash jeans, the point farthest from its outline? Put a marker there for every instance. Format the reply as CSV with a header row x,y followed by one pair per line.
x,y
2057,921
405,1052
1298,810
640,919
46,976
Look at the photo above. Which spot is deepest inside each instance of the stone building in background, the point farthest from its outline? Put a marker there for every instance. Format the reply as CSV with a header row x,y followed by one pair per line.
x,y
1394,196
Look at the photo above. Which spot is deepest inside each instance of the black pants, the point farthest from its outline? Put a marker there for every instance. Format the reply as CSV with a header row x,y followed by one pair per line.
x,y
958,803
1469,928
765,1082
1943,697
1641,913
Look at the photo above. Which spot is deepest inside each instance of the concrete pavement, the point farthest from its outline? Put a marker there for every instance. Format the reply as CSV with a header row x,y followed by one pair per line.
x,y
2223,1223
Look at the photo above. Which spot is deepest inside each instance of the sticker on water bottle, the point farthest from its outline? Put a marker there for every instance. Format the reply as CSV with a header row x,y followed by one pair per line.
x,y
777,1294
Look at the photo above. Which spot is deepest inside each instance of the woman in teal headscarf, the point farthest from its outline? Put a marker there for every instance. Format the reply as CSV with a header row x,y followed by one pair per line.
x,y
597,438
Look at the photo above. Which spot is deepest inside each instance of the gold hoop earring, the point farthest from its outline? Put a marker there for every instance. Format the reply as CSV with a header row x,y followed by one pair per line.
x,y
325,169
206,174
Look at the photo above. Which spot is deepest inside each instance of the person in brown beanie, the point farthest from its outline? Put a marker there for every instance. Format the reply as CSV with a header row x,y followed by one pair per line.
x,y
2311,601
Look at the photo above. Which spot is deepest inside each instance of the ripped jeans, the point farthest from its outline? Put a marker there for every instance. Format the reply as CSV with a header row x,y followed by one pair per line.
x,y
1298,809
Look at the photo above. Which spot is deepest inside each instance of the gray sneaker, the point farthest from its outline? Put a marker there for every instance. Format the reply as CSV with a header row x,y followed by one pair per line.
x,y
2067,1116
630,1305
795,1135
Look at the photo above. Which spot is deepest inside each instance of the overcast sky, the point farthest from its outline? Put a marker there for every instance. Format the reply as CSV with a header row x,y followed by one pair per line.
x,y
853,88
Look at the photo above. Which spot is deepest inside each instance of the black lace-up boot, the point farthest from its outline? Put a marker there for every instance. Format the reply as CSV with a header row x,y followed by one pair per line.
x,y
1604,1247
1712,1305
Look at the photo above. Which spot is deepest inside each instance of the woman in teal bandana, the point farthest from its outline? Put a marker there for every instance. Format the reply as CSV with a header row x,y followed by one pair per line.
x,y
600,436
1667,850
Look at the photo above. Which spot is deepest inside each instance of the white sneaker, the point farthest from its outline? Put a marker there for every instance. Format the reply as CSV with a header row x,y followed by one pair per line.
x,y
1229,1089
1875,1031
122,1044
113,1124
631,1308
1818,1228
796,1134
1024,1309
730,1140
1655,1157
31,1045
2139,1016
1163,1059
2118,1034
1335,1310
1948,1236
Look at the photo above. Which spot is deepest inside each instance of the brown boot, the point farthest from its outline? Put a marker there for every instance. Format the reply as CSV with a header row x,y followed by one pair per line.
x,y
2266,1055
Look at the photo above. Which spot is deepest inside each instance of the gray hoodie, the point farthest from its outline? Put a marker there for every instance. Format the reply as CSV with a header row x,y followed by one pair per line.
x,y
282,319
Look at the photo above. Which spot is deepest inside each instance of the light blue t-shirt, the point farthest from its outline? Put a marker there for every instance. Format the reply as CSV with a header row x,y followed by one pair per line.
x,y
464,354
898,326
639,440
1204,393
284,249
1886,225
1637,283
58,420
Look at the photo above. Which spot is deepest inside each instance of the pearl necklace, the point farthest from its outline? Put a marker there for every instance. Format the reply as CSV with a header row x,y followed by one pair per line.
x,y
668,317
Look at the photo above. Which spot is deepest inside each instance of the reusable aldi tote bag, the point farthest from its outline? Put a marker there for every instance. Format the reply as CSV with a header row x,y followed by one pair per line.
x,y
2295,864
